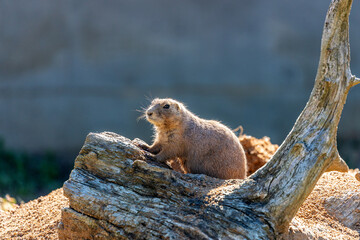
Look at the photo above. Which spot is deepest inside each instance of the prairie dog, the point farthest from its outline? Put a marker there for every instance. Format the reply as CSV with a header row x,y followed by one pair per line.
x,y
202,146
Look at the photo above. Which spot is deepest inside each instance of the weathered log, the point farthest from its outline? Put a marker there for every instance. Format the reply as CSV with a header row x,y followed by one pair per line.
x,y
345,208
115,193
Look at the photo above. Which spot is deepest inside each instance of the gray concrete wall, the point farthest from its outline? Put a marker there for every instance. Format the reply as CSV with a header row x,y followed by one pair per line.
x,y
68,67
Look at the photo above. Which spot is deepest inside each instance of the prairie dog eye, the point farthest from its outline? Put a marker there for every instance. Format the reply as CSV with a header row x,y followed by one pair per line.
x,y
166,106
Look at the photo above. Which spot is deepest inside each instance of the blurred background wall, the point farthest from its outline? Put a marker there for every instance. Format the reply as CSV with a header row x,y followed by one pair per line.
x,y
69,67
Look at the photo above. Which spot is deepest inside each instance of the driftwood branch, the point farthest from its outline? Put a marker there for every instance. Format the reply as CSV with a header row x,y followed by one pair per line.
x,y
116,193
356,80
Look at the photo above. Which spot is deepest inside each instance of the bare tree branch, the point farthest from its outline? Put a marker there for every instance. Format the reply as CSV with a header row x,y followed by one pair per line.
x,y
355,80
116,193
338,164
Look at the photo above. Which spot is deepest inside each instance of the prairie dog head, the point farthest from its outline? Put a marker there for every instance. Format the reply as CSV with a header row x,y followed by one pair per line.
x,y
165,113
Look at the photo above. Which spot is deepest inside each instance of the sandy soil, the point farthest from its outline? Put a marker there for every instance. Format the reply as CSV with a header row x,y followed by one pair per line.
x,y
314,218
257,151
38,219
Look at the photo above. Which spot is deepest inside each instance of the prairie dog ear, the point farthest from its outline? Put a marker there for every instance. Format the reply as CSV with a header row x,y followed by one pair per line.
x,y
177,107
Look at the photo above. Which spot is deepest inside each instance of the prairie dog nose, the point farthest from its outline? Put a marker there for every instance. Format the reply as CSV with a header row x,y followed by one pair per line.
x,y
149,113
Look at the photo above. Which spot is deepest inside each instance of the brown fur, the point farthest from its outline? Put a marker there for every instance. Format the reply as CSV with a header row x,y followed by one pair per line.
x,y
202,146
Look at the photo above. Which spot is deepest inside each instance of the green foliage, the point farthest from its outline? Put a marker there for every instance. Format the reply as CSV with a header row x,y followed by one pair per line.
x,y
24,175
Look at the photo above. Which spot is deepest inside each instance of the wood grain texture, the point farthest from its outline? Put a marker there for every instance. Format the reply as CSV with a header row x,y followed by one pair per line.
x,y
115,188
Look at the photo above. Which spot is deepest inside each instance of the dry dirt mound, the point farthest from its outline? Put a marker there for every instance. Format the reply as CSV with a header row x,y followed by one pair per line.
x,y
325,213
316,219
37,219
258,151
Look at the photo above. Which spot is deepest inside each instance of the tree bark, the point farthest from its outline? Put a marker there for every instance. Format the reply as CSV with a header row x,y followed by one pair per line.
x,y
115,192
